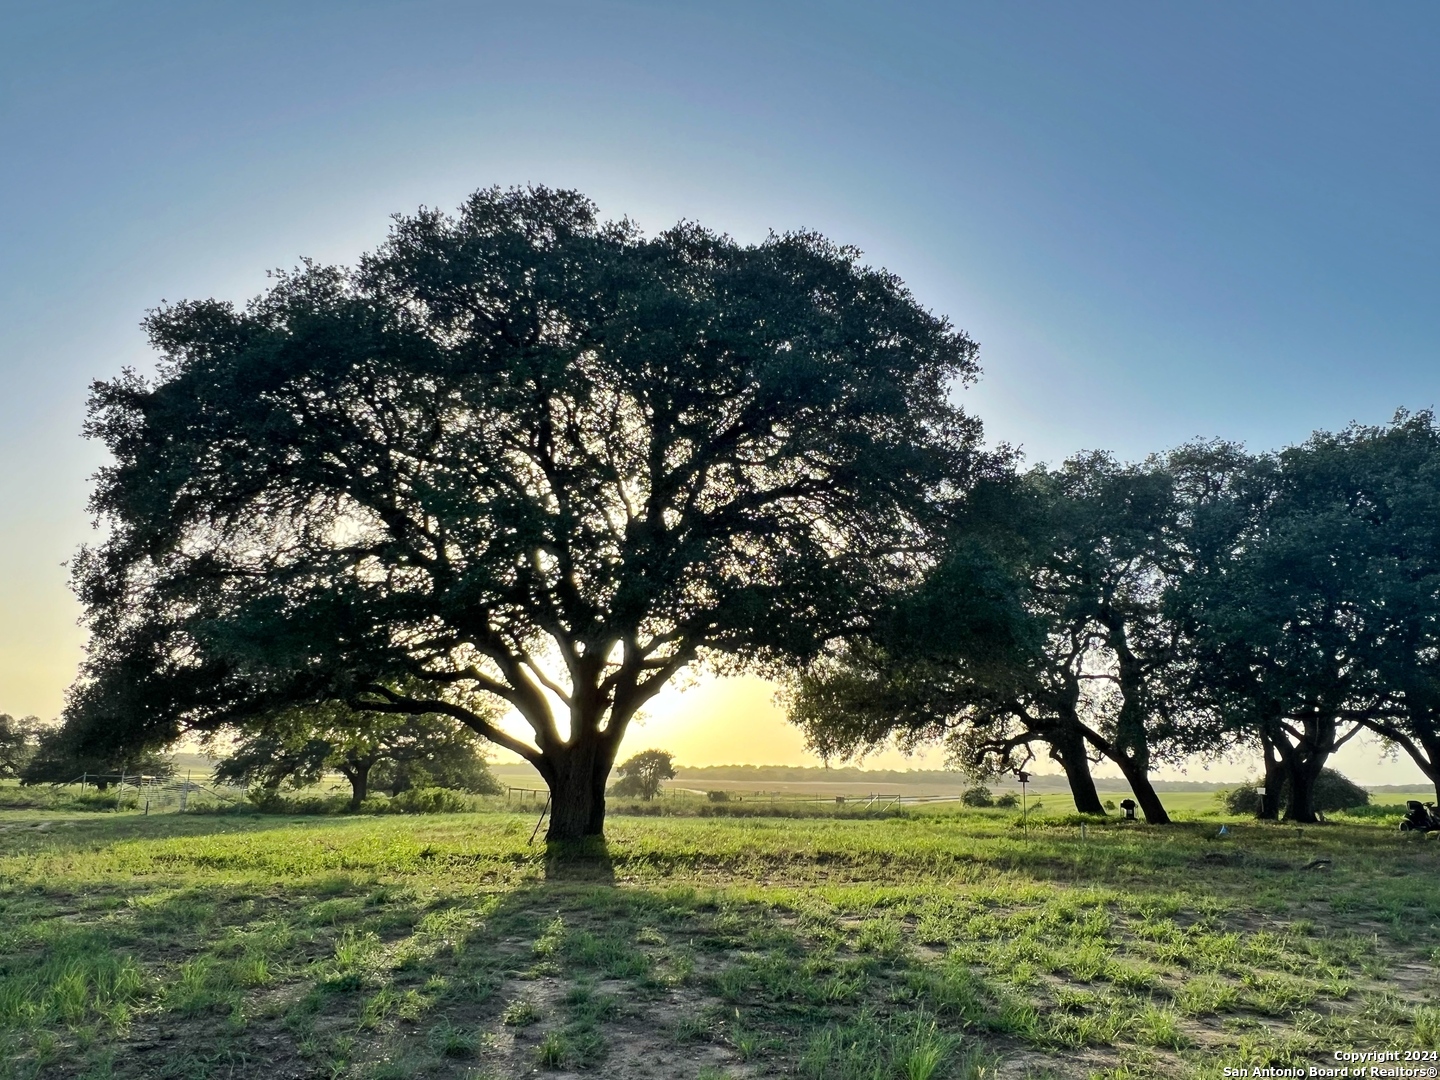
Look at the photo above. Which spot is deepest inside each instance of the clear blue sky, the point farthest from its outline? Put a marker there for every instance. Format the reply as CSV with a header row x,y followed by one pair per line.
x,y
1160,220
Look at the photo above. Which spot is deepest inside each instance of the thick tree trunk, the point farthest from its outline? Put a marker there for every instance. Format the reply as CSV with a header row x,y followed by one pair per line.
x,y
1135,768
576,769
1068,748
1138,777
1131,751
1301,771
1428,759
359,777
576,777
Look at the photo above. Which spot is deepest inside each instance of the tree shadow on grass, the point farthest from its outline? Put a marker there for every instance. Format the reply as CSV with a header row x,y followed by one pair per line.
x,y
585,861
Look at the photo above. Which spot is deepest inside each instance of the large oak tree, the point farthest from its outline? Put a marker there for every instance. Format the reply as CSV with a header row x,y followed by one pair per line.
x,y
1387,482
516,452
1278,601
1042,628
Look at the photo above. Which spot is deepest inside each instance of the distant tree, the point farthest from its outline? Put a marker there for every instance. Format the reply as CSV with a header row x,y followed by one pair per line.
x,y
977,796
297,746
641,775
454,760
519,452
18,739
283,751
58,758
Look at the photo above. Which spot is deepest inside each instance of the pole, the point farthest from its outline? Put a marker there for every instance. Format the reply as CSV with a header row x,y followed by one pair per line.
x,y
1024,811
540,819
120,788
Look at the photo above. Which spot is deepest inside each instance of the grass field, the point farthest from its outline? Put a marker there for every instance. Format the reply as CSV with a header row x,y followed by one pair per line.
x,y
914,945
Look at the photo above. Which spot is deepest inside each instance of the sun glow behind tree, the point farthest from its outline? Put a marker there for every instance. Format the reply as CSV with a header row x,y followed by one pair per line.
x,y
517,453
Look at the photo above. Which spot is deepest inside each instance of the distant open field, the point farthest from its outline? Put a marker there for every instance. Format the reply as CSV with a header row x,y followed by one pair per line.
x,y
1051,791
913,945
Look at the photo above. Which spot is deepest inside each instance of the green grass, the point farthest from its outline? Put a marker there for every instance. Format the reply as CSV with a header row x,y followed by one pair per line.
x,y
919,945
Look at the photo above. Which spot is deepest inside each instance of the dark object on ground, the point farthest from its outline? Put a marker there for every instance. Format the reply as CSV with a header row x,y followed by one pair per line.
x,y
1128,805
1419,817
1317,864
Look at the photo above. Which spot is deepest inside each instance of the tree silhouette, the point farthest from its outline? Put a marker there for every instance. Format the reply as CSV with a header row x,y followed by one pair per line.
x,y
521,453
642,774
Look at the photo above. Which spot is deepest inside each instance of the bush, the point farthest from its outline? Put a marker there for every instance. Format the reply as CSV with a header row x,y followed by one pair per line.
x,y
1336,792
718,796
1244,799
977,796
1109,804
264,800
1333,791
430,800
61,797
1008,800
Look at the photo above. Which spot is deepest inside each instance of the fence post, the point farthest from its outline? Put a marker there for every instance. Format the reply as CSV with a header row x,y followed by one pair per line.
x,y
120,789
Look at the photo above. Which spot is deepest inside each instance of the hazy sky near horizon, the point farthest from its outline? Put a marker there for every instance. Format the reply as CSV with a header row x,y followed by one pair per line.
x,y
1159,221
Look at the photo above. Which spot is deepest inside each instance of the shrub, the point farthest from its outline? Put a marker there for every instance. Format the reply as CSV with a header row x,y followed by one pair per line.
x,y
1244,799
269,801
1008,800
1333,791
60,797
430,800
718,796
1336,792
977,796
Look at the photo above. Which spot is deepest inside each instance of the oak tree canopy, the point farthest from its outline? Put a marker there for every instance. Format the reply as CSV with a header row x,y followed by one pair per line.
x,y
519,453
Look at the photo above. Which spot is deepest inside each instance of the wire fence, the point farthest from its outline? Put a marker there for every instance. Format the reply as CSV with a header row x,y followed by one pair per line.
x,y
149,793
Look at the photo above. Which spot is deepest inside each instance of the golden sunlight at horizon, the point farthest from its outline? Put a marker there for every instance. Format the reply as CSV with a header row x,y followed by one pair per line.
x,y
729,720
